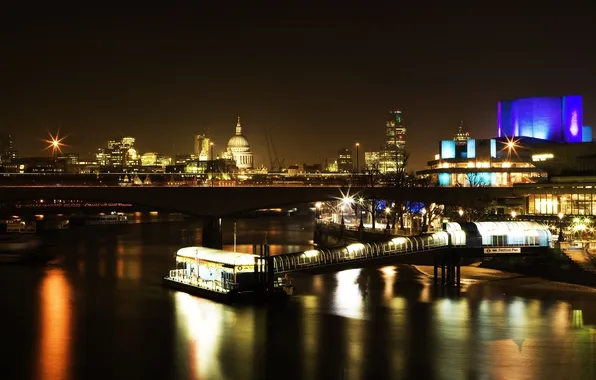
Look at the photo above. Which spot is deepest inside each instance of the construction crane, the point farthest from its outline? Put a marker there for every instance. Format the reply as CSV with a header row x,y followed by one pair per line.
x,y
276,165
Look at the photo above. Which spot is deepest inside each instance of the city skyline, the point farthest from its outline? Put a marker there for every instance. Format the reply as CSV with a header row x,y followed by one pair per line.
x,y
318,79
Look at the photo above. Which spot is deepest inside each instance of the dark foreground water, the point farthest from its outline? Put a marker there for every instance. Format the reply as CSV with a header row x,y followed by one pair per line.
x,y
99,312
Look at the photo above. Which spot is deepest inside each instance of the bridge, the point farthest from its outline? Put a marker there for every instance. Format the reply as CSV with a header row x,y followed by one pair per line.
x,y
457,241
225,201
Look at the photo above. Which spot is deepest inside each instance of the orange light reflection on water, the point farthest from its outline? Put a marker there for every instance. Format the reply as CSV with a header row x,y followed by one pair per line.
x,y
56,319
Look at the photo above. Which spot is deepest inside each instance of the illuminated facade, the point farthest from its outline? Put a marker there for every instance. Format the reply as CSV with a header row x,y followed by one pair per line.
x,y
202,147
344,161
119,153
481,162
7,153
557,119
393,154
239,149
371,160
570,196
461,136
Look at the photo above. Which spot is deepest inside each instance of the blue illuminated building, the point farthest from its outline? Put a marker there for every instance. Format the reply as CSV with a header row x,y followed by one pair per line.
x,y
536,138
556,119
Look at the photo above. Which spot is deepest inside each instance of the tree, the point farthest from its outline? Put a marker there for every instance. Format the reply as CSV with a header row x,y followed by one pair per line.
x,y
371,177
476,210
474,180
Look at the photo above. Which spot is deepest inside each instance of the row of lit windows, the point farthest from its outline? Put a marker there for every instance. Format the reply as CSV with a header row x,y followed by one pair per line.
x,y
482,164
568,204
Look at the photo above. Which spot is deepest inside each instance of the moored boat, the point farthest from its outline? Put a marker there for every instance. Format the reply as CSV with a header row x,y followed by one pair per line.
x,y
20,227
225,276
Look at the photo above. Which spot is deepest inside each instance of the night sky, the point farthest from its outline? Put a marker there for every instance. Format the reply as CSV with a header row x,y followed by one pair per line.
x,y
319,78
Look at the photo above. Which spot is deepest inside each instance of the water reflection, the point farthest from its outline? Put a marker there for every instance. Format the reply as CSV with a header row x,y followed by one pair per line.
x,y
348,299
199,322
55,315
128,260
388,274
370,323
311,328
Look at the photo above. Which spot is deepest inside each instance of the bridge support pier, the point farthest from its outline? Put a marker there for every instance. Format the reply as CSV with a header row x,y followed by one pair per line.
x,y
211,232
450,263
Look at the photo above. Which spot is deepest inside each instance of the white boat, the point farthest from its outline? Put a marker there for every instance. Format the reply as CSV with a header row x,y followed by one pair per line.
x,y
21,227
14,248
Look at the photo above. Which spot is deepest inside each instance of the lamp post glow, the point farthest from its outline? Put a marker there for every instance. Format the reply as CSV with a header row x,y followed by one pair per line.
x,y
460,212
212,164
357,158
513,214
361,203
55,143
318,207
346,201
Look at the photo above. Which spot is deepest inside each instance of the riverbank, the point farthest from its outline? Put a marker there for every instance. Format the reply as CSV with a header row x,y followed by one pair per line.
x,y
476,275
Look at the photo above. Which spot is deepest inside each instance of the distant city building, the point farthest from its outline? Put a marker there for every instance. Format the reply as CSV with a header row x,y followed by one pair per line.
x,y
314,168
331,166
239,149
344,161
68,158
39,165
186,158
461,136
119,153
7,153
149,159
393,154
202,147
371,160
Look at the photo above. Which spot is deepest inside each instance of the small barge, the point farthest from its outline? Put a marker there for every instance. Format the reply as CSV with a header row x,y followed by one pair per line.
x,y
226,276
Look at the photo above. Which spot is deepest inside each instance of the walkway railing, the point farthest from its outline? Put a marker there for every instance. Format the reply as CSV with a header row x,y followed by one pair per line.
x,y
358,251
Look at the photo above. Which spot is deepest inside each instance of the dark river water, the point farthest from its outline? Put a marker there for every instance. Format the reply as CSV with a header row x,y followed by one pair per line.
x,y
99,312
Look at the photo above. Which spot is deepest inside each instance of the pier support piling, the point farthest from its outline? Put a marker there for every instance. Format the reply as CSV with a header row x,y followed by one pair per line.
x,y
211,232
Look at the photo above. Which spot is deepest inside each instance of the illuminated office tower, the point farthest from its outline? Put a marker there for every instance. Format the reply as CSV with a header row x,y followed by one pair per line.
x,y
393,155
462,136
119,153
202,147
7,153
344,161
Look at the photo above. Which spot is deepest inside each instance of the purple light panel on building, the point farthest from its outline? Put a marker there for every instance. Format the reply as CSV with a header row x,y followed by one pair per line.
x,y
572,118
552,118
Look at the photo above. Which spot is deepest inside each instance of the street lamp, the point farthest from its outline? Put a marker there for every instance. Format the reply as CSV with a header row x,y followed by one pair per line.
x,y
387,212
460,212
318,207
361,203
357,157
212,164
513,214
561,237
346,201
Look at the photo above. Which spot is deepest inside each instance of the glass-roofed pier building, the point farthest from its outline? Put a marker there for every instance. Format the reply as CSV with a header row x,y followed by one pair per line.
x,y
498,234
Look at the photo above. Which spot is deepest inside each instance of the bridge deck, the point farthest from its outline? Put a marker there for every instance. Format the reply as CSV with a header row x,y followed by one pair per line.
x,y
358,252
477,235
